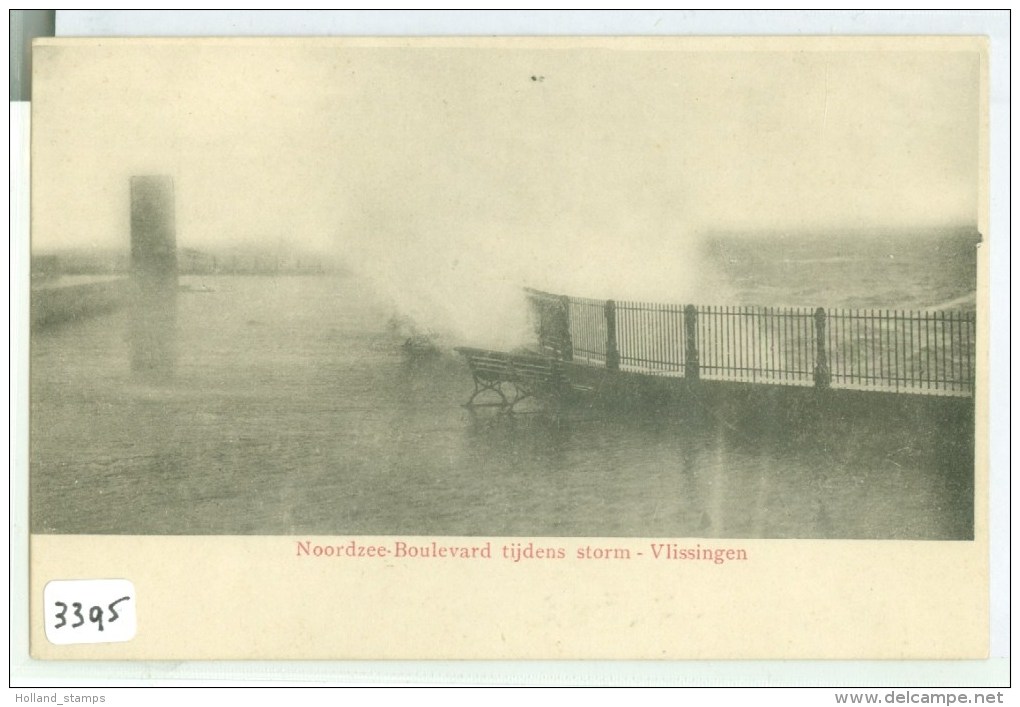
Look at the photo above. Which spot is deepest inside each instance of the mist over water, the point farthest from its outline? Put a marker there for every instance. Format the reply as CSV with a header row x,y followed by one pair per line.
x,y
296,410
468,289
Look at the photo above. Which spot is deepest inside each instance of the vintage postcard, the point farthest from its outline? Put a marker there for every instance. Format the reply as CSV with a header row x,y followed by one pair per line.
x,y
602,348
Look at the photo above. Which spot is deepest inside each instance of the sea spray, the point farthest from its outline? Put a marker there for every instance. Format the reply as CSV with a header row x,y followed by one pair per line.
x,y
466,285
445,294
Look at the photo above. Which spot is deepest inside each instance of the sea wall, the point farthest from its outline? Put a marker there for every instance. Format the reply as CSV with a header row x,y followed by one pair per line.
x,y
57,303
804,415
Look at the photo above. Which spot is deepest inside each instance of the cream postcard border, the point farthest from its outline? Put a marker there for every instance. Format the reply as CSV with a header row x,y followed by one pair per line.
x,y
792,599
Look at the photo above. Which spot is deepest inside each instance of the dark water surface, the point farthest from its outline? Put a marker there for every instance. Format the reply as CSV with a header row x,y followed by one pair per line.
x,y
295,411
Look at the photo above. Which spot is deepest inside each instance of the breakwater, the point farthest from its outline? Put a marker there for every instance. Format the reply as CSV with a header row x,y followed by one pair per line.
x,y
70,298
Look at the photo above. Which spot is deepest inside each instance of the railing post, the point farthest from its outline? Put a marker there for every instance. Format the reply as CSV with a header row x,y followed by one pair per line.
x,y
822,376
538,317
568,345
612,352
692,367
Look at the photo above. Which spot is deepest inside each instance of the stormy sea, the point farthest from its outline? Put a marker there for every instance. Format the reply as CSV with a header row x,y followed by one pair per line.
x,y
307,405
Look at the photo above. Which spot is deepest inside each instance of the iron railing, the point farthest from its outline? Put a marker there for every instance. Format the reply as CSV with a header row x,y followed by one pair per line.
x,y
929,352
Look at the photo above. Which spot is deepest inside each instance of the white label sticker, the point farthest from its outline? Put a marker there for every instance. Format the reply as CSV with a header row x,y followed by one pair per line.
x,y
90,611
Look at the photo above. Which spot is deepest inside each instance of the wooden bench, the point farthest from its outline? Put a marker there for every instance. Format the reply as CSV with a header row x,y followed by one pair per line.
x,y
527,374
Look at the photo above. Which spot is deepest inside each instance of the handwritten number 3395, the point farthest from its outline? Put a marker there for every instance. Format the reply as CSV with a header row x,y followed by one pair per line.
x,y
95,613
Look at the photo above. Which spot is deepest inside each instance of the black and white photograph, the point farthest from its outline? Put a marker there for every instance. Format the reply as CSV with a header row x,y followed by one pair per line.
x,y
500,297
506,291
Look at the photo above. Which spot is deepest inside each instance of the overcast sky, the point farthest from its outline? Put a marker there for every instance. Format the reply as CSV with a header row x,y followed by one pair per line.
x,y
522,154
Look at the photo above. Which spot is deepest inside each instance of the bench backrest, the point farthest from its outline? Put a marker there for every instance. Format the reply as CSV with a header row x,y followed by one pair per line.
x,y
512,368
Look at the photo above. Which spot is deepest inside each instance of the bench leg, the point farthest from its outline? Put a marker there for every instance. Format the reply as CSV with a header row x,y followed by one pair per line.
x,y
481,386
520,393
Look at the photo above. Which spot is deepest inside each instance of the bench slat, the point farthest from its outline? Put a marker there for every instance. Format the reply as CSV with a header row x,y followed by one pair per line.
x,y
503,366
527,372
